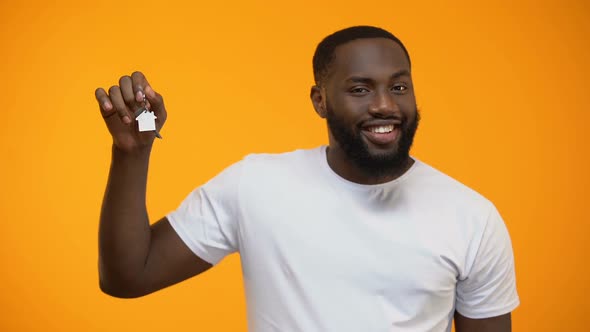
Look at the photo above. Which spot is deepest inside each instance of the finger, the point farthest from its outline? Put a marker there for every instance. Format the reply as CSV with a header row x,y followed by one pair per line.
x,y
119,104
157,103
126,87
104,103
139,84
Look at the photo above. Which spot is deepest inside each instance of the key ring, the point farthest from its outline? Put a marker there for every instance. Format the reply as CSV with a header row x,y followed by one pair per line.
x,y
144,109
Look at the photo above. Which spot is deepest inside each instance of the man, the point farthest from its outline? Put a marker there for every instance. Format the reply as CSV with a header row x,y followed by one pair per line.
x,y
355,236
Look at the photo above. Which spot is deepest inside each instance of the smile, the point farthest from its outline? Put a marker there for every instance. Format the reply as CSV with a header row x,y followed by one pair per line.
x,y
382,135
381,129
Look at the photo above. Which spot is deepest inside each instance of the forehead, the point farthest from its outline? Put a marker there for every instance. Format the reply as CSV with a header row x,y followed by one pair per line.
x,y
371,57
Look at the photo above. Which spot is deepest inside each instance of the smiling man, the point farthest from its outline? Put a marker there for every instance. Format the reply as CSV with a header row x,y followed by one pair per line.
x,y
353,236
364,90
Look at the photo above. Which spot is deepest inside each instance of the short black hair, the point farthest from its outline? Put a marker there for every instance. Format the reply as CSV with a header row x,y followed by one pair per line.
x,y
324,53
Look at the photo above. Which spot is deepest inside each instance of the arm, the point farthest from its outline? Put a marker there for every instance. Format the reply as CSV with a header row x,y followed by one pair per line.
x,y
488,290
501,323
134,258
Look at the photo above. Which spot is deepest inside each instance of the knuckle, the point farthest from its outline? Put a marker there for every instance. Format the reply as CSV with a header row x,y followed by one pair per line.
x,y
114,89
128,99
98,93
137,75
124,79
159,99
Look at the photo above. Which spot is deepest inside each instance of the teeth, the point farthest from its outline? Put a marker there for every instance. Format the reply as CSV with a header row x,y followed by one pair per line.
x,y
382,129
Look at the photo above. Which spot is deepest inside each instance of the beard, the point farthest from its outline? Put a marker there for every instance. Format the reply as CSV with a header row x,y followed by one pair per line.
x,y
357,150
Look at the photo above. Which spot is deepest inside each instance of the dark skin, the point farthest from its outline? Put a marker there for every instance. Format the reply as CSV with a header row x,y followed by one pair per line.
x,y
369,79
135,258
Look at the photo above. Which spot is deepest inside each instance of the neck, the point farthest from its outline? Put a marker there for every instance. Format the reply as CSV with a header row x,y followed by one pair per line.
x,y
341,164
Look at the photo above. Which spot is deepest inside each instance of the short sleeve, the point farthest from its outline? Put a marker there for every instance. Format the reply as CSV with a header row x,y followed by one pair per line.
x,y
489,287
207,220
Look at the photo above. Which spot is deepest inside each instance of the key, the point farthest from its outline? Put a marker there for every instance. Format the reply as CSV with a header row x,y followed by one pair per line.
x,y
146,119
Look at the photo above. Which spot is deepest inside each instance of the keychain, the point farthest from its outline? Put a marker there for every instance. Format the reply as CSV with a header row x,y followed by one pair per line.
x,y
146,119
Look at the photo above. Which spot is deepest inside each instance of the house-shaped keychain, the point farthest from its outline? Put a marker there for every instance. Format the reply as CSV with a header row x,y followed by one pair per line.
x,y
146,121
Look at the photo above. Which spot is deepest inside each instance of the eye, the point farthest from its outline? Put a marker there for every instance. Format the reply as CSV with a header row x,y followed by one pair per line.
x,y
399,88
359,90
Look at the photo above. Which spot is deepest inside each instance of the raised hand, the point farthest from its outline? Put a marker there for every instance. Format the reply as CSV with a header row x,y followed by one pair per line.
x,y
118,108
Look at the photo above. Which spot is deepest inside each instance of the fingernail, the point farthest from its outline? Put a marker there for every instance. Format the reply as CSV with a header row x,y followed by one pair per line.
x,y
139,96
107,106
150,92
126,119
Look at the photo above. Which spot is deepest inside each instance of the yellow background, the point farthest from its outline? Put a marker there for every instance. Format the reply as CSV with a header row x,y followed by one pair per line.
x,y
502,86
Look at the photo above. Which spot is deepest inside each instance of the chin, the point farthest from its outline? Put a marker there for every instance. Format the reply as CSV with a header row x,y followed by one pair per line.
x,y
380,151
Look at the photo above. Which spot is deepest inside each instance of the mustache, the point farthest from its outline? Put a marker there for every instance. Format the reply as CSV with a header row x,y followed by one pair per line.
x,y
402,118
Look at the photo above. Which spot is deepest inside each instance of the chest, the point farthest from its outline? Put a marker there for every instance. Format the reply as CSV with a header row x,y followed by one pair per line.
x,y
380,244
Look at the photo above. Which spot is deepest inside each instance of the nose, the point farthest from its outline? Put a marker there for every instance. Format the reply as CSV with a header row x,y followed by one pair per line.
x,y
383,105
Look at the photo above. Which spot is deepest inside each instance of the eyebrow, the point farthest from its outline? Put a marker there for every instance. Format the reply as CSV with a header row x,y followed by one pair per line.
x,y
396,75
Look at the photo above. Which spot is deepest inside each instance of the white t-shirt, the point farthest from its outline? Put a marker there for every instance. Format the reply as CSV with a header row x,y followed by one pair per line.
x,y
320,253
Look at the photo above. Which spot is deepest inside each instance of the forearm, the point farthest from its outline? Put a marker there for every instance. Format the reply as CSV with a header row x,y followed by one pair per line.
x,y
124,231
501,323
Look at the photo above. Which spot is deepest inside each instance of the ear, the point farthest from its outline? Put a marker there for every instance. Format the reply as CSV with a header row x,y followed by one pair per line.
x,y
318,100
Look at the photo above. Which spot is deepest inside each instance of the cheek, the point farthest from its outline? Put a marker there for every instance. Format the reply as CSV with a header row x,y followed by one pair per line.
x,y
353,106
407,105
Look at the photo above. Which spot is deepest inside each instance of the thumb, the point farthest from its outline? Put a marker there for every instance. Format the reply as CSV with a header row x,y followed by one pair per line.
x,y
157,103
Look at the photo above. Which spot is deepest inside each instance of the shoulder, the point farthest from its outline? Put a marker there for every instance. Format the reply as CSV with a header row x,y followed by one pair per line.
x,y
300,159
436,186
283,157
